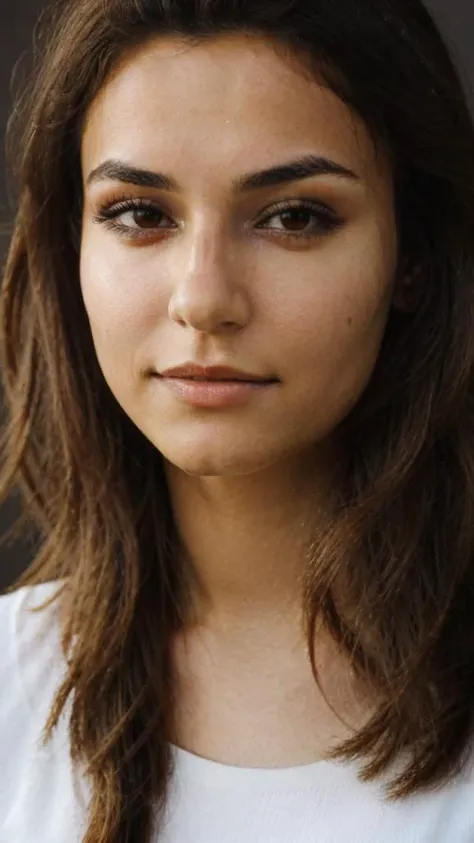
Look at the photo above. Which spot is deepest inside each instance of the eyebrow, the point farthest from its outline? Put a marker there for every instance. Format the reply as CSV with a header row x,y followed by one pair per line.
x,y
305,167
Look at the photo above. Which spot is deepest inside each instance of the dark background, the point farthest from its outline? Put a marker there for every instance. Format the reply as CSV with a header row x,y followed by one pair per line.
x,y
17,19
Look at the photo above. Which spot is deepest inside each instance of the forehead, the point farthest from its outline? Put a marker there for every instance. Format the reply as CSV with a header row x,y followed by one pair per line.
x,y
233,100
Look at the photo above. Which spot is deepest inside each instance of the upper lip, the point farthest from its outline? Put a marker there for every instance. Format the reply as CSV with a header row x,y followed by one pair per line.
x,y
213,373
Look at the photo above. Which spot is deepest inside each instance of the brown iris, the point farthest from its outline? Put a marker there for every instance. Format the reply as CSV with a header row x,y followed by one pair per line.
x,y
296,219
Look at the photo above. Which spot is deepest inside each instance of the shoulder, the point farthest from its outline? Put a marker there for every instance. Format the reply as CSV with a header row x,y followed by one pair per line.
x,y
15,606
30,651
39,789
28,639
30,669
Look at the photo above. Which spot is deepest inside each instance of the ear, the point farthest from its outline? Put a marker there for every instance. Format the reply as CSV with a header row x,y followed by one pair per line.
x,y
408,289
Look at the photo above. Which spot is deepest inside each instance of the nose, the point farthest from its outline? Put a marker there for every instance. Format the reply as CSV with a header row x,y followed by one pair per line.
x,y
208,290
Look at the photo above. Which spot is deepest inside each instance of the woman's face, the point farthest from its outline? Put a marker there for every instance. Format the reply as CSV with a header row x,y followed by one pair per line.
x,y
214,233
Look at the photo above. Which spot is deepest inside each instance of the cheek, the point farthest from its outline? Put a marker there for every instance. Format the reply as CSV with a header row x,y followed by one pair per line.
x,y
337,324
334,330
120,301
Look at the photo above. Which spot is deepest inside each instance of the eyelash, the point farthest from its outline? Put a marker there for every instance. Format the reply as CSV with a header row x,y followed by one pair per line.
x,y
328,220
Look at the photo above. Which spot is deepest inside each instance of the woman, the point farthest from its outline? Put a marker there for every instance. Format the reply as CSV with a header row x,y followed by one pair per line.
x,y
238,356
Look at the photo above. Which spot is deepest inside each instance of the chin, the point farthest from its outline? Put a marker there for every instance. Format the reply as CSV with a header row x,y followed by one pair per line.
x,y
224,461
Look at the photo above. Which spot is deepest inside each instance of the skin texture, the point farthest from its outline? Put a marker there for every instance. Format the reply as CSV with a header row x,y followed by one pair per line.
x,y
214,278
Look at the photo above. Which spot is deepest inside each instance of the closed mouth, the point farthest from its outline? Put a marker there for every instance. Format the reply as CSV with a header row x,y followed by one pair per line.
x,y
198,379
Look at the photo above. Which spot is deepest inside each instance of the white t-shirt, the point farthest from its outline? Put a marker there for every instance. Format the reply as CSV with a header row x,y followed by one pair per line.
x,y
44,800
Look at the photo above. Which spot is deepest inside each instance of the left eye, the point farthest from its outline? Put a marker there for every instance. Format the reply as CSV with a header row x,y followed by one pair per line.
x,y
294,219
301,220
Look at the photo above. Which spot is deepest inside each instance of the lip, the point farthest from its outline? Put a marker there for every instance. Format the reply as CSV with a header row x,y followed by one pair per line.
x,y
215,393
214,373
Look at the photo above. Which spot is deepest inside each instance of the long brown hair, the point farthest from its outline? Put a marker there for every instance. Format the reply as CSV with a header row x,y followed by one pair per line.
x,y
402,539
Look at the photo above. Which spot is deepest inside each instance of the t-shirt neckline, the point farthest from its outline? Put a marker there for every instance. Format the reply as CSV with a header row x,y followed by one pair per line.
x,y
194,768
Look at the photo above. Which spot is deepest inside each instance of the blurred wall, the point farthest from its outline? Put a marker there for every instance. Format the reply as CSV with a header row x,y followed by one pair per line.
x,y
16,25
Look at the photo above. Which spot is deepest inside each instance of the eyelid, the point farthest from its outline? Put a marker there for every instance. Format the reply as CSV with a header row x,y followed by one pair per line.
x,y
125,202
295,203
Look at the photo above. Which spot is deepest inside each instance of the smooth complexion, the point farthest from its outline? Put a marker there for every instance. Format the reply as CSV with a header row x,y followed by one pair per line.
x,y
188,254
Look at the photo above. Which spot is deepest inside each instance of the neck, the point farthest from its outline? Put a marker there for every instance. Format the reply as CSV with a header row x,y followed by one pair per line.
x,y
247,536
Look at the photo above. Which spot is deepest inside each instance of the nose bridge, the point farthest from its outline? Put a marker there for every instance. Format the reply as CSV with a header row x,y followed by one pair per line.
x,y
206,252
207,293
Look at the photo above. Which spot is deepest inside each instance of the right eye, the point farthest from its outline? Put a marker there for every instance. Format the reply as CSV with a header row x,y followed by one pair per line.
x,y
134,217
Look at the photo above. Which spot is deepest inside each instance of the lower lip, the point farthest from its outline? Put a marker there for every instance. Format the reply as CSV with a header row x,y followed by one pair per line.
x,y
215,393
